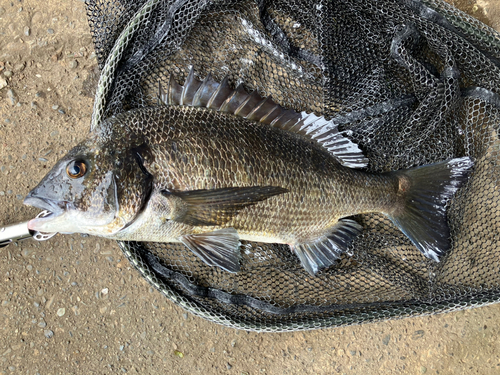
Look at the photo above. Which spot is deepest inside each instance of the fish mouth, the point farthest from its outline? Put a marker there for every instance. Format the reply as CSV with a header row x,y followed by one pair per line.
x,y
53,210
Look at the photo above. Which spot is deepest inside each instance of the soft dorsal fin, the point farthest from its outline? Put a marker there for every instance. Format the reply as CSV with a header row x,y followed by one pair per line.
x,y
221,97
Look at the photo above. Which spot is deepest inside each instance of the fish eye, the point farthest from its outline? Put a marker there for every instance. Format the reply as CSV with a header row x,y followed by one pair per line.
x,y
76,169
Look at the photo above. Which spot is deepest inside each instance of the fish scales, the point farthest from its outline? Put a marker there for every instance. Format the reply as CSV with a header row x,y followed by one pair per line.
x,y
187,142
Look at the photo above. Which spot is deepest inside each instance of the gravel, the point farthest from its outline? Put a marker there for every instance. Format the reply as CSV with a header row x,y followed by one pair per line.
x,y
48,333
11,96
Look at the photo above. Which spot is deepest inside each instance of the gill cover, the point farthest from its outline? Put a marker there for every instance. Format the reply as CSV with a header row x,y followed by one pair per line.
x,y
97,188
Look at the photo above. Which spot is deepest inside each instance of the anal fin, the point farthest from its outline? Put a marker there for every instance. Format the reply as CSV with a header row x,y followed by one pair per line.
x,y
327,249
219,248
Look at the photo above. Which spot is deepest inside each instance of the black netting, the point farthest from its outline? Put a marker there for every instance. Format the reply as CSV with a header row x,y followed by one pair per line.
x,y
414,82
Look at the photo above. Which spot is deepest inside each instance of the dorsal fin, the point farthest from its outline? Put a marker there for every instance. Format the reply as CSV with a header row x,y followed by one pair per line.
x,y
221,97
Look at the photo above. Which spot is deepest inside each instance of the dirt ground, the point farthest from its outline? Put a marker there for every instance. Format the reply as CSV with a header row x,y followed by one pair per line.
x,y
73,305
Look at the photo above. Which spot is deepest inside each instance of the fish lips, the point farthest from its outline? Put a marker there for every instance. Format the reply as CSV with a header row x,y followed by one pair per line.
x,y
56,209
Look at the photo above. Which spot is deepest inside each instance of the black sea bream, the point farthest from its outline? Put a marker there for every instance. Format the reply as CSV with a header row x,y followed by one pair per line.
x,y
212,165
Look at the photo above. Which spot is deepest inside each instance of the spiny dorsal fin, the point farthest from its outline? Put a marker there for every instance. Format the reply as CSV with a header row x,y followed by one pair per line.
x,y
221,97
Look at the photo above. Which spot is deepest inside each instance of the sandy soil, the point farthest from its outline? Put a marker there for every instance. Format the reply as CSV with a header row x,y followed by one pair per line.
x,y
73,305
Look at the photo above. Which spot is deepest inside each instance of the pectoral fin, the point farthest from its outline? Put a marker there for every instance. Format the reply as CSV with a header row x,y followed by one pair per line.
x,y
324,252
218,248
216,206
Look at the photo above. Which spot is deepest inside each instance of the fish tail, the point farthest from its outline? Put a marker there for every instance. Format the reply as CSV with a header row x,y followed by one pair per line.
x,y
424,193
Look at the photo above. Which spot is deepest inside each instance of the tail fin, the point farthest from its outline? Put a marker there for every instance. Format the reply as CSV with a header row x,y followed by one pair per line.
x,y
423,216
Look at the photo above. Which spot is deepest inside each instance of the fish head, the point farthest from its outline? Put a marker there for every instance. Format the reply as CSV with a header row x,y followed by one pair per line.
x,y
97,188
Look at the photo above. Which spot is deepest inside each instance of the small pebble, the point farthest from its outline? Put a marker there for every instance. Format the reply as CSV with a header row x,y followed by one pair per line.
x,y
27,31
3,83
121,348
36,304
29,267
179,354
12,368
12,97
20,197
48,333
418,334
105,291
55,133
7,73
73,64
55,107
42,160
3,169
34,105
61,311
386,340
50,31
42,324
7,121
9,192
2,193
62,112
19,67
39,94
229,367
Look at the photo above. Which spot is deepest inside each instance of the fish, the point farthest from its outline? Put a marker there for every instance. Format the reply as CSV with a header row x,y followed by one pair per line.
x,y
210,166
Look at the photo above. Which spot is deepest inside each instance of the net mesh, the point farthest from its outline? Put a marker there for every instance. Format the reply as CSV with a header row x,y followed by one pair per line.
x,y
413,82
